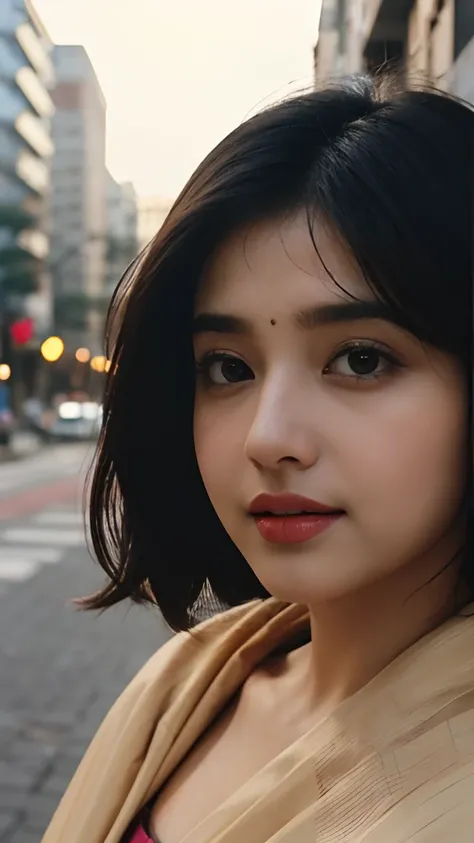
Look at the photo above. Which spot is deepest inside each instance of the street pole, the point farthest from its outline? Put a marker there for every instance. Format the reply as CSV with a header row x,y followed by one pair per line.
x,y
6,346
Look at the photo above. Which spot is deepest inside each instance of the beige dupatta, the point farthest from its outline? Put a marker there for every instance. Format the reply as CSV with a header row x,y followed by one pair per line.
x,y
394,763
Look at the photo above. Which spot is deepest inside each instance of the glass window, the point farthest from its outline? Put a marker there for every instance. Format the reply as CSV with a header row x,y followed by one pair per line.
x,y
11,102
464,24
13,192
9,146
7,238
10,58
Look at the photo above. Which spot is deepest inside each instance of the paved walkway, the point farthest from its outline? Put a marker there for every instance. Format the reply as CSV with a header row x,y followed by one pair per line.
x,y
60,670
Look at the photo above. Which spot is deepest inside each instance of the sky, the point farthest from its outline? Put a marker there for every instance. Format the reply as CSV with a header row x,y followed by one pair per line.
x,y
178,75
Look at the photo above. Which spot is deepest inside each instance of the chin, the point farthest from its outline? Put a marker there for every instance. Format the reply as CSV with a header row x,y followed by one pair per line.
x,y
293,586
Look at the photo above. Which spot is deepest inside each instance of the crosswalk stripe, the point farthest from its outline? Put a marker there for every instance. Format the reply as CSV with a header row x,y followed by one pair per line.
x,y
46,555
59,518
17,569
52,463
31,535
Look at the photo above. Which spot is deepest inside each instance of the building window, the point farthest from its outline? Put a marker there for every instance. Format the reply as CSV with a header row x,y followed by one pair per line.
x,y
341,23
463,24
381,53
441,42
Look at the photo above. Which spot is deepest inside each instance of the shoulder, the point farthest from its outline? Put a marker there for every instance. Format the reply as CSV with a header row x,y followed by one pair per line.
x,y
157,718
179,661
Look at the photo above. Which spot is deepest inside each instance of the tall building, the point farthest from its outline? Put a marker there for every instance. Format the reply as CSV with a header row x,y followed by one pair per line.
x,y
79,195
122,216
344,45
152,212
26,108
328,52
428,39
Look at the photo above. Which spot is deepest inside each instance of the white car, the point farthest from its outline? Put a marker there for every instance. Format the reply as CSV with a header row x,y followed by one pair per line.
x,y
77,420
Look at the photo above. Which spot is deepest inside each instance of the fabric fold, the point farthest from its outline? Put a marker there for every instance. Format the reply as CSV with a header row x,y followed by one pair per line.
x,y
373,771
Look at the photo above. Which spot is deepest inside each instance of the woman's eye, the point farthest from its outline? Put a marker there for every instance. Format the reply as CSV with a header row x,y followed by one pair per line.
x,y
224,370
362,361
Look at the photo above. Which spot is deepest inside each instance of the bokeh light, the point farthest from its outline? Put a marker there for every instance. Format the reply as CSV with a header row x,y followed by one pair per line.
x,y
99,363
83,355
52,349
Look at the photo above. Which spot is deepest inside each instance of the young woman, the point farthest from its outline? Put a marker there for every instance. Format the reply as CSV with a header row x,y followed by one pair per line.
x,y
287,453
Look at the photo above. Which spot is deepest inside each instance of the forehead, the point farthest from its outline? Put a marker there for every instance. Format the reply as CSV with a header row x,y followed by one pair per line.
x,y
276,262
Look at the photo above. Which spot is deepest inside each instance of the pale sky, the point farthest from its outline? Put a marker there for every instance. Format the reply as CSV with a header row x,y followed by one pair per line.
x,y
178,75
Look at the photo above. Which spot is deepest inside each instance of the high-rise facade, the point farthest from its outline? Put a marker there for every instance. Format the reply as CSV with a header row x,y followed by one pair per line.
x,y
428,40
122,224
152,212
26,148
79,188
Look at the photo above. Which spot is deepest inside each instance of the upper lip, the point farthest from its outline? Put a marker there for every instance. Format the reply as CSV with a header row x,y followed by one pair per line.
x,y
287,502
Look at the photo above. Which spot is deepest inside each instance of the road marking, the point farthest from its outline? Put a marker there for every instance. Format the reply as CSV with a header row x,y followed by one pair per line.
x,y
46,555
31,501
45,466
28,535
59,518
17,569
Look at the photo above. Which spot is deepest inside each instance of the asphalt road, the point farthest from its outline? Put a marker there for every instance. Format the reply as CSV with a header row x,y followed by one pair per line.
x,y
60,669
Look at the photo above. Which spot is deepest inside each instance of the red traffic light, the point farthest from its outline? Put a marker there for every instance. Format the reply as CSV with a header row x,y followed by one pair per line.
x,y
22,331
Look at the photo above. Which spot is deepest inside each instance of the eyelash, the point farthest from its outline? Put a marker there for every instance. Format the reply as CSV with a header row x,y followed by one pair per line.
x,y
203,366
360,345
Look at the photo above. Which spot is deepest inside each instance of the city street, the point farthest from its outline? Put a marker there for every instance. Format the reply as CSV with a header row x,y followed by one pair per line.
x,y
60,669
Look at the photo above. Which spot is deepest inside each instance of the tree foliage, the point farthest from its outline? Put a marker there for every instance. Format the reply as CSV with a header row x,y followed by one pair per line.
x,y
18,268
72,311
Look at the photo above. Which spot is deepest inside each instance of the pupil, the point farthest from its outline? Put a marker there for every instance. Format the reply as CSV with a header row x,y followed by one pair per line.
x,y
233,370
364,362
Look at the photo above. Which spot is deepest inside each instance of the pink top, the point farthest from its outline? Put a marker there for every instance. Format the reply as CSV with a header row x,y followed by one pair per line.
x,y
141,836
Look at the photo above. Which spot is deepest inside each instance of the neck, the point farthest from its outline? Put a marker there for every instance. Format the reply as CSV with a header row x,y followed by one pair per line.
x,y
355,637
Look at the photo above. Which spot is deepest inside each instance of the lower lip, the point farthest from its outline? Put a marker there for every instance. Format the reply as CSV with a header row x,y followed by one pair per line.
x,y
293,529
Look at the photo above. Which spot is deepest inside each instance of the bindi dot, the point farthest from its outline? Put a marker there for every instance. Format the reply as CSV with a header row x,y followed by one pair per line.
x,y
272,321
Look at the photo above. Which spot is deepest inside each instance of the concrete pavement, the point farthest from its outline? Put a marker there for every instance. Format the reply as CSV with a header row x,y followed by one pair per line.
x,y
23,444
60,670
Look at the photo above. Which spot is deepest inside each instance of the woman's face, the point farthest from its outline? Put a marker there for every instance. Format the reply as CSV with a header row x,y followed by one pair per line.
x,y
303,391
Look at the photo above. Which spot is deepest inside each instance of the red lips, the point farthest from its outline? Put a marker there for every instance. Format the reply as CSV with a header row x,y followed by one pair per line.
x,y
291,519
287,502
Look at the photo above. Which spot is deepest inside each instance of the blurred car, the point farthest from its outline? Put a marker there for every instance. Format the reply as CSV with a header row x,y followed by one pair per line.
x,y
79,420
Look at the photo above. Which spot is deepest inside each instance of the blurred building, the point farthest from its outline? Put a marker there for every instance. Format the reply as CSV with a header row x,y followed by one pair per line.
x,y
427,39
152,212
26,108
78,197
122,224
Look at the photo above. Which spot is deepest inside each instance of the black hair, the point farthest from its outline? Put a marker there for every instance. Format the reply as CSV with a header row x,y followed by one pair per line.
x,y
391,171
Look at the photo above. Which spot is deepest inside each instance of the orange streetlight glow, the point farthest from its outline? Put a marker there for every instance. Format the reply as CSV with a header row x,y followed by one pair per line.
x,y
83,355
99,363
52,349
5,372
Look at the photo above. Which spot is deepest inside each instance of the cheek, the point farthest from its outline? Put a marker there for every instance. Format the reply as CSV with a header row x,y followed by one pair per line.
x,y
411,460
219,439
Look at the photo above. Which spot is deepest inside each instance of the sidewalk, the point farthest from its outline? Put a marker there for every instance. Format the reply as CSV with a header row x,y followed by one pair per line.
x,y
23,444
61,670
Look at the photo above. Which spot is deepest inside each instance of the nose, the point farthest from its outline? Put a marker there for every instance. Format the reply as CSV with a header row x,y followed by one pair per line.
x,y
284,427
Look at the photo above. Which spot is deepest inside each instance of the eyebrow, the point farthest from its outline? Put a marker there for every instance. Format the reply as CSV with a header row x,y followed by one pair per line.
x,y
308,318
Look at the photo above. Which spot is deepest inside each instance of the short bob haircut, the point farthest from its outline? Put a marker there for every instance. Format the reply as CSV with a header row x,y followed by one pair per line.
x,y
391,171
